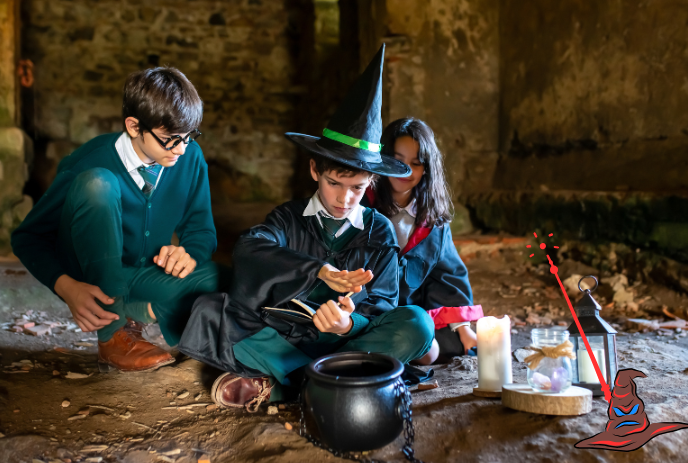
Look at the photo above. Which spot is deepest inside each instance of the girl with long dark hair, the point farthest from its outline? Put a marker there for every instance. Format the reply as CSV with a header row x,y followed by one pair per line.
x,y
431,273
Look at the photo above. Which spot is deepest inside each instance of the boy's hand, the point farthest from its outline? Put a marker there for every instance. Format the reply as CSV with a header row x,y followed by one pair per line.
x,y
333,318
175,260
81,300
344,281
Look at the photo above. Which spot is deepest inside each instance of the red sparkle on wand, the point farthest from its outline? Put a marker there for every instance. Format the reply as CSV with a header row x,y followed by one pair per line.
x,y
543,246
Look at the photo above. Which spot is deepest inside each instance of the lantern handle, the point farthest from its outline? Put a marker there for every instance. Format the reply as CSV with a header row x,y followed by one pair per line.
x,y
588,290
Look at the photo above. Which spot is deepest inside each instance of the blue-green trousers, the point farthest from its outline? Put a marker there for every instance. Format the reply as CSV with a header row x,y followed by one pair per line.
x,y
405,333
90,248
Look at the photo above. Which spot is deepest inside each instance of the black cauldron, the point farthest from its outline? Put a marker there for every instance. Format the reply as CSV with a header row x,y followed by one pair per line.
x,y
351,400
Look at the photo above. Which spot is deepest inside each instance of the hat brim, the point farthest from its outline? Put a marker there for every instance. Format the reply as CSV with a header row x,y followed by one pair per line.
x,y
608,441
350,156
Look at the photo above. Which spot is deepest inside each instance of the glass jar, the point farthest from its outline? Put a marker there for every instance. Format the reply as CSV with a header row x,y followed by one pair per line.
x,y
551,375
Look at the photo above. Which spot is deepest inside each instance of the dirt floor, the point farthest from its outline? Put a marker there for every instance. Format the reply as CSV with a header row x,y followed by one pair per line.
x,y
55,406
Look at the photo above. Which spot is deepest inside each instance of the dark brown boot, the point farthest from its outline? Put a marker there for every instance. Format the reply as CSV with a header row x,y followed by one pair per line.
x,y
233,391
128,351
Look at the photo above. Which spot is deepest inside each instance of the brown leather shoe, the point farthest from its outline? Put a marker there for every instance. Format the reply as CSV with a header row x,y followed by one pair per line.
x,y
128,351
232,391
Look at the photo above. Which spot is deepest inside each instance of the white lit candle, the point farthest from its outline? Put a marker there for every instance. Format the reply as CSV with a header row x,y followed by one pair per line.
x,y
586,370
494,353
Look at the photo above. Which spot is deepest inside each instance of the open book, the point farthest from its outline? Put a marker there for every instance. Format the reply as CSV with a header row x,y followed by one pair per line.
x,y
295,311
298,311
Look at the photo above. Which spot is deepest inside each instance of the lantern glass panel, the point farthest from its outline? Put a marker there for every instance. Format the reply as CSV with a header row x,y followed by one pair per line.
x,y
585,368
613,362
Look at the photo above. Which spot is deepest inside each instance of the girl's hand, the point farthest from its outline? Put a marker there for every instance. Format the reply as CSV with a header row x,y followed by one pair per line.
x,y
468,337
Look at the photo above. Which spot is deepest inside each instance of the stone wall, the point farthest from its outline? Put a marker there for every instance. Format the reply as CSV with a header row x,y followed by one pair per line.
x,y
594,95
593,123
8,58
264,67
240,55
442,66
15,147
533,106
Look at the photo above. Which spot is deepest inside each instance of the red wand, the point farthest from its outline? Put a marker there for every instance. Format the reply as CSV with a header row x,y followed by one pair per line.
x,y
605,387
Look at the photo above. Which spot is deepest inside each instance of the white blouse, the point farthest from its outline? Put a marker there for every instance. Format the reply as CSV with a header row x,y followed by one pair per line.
x,y
405,223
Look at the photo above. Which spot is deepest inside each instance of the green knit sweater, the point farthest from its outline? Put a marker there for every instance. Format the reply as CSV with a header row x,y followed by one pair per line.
x,y
180,202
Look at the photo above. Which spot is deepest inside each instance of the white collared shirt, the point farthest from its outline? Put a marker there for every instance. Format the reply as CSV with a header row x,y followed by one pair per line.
x,y
131,160
405,223
353,218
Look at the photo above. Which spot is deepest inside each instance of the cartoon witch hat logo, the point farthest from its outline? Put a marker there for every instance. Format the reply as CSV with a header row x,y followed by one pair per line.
x,y
628,427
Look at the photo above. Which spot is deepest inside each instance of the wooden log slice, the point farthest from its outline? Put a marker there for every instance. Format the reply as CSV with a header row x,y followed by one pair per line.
x,y
573,401
490,394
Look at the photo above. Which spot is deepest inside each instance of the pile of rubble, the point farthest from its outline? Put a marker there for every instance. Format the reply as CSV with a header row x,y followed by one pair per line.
x,y
38,324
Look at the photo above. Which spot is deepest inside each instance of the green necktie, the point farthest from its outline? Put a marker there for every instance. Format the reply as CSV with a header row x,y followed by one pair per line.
x,y
150,177
331,226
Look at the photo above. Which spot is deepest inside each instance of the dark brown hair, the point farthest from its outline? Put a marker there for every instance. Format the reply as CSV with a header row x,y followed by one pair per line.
x,y
162,97
433,200
323,164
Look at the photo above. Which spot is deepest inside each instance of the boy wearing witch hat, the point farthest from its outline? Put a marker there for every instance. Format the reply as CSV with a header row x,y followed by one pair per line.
x,y
100,236
315,250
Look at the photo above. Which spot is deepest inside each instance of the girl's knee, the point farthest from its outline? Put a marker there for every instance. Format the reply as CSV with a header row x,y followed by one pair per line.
x,y
430,357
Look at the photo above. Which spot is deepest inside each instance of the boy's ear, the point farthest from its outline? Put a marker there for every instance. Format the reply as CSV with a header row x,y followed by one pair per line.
x,y
132,126
314,172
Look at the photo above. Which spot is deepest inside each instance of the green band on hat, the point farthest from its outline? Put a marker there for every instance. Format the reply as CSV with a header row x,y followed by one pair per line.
x,y
355,142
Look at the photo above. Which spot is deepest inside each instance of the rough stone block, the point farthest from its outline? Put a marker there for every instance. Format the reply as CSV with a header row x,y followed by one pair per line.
x,y
645,220
674,324
14,206
641,324
461,223
12,167
40,330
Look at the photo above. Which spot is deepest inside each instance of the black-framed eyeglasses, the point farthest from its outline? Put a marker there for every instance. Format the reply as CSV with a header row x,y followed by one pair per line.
x,y
173,141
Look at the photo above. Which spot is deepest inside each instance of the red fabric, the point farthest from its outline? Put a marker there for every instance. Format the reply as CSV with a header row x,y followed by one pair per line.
x,y
370,194
418,235
446,315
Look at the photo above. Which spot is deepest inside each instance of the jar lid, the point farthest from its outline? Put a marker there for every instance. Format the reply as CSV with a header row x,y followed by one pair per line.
x,y
556,334
551,330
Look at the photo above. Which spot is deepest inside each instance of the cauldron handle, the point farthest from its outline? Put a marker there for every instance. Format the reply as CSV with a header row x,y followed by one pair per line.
x,y
406,414
398,395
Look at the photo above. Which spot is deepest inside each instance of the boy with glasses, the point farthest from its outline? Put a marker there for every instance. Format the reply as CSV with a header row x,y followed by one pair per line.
x,y
100,236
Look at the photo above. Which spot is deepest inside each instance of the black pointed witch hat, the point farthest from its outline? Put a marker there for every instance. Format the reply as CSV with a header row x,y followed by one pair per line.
x,y
353,135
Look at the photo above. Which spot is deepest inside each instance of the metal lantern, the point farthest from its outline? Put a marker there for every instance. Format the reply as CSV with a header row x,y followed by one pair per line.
x,y
602,339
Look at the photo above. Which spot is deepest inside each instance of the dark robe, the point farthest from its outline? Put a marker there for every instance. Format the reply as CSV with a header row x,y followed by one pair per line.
x,y
277,261
431,273
433,276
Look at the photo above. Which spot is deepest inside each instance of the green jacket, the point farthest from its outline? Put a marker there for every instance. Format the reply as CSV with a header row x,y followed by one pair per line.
x,y
180,203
